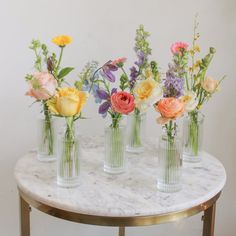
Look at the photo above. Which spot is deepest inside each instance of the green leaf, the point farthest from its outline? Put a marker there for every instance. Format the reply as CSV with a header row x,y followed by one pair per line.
x,y
64,72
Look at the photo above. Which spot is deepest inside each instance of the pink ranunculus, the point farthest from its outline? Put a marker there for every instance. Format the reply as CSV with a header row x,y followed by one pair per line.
x,y
170,108
122,102
42,86
178,47
119,61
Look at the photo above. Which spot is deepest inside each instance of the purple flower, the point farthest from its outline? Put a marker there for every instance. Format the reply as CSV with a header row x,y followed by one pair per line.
x,y
114,90
102,94
133,75
173,87
103,108
107,70
141,58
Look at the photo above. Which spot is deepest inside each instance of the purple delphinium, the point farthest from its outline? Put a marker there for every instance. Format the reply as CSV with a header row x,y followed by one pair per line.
x,y
107,69
133,76
103,95
173,87
141,58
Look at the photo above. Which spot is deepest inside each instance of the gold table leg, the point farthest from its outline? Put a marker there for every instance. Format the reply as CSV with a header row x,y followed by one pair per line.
x,y
121,231
209,221
24,217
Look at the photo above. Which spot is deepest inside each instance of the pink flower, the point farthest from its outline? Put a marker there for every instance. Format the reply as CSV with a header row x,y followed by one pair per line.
x,y
209,84
178,47
42,86
119,61
122,102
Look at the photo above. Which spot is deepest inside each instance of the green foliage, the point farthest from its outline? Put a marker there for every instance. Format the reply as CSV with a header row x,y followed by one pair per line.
x,y
65,71
141,43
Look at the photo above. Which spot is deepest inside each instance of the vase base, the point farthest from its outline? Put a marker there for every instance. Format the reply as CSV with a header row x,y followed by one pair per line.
x,y
112,170
168,188
67,183
191,158
46,158
134,149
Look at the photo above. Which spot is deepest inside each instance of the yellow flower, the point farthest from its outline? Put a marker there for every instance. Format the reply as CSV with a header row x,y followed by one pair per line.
x,y
62,40
148,73
67,102
146,93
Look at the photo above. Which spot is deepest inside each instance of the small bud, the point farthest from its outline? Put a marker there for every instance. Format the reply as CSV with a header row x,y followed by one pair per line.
x,y
212,50
50,64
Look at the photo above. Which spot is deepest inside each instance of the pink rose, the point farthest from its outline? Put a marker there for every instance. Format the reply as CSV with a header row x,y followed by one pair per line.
x,y
42,86
169,108
122,102
209,84
119,61
178,47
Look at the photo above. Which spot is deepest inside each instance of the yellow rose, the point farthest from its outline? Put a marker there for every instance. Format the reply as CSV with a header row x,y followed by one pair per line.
x,y
209,84
146,93
62,40
67,102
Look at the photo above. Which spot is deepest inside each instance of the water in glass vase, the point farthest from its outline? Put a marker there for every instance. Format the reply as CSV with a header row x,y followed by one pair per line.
x,y
46,140
192,136
136,132
169,164
115,161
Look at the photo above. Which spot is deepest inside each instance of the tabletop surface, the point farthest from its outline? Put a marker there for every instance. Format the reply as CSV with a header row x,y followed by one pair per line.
x,y
133,193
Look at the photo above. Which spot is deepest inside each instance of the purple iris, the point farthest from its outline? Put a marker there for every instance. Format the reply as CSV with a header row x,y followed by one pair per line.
x,y
103,95
107,70
173,86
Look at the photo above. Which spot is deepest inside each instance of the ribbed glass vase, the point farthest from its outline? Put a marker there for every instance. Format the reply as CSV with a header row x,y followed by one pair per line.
x,y
136,132
115,161
46,140
169,164
192,136
68,158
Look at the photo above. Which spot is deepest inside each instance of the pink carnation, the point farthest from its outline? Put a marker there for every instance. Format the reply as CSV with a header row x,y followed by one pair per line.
x,y
178,47
42,86
119,61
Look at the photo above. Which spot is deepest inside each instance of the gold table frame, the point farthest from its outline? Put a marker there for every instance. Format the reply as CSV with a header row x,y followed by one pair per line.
x,y
208,207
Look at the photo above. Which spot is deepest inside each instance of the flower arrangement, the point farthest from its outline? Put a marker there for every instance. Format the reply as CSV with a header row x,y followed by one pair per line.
x,y
68,103
43,83
199,87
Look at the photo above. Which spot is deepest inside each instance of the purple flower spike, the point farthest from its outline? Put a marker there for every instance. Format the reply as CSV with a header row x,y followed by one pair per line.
x,y
141,58
102,94
103,108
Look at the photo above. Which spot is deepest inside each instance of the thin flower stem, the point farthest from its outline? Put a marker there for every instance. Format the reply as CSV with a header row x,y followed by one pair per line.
x,y
59,61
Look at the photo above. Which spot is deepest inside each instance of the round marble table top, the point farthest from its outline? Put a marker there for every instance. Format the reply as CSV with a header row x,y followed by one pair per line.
x,y
133,193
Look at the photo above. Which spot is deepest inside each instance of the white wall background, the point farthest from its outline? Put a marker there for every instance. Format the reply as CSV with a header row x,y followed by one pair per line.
x,y
101,30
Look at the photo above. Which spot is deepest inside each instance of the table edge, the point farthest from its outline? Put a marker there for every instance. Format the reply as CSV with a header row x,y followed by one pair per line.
x,y
104,220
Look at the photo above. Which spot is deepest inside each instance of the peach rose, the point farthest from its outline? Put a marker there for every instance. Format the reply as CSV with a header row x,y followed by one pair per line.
x,y
169,108
42,86
122,102
209,84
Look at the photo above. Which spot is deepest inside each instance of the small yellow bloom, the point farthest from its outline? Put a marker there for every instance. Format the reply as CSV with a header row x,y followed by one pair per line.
x,y
62,40
67,102
197,48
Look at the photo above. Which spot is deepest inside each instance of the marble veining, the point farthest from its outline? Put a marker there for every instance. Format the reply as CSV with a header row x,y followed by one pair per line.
x,y
129,194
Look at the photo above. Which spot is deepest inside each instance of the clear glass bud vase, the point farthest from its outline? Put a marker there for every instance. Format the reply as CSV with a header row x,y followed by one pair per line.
x,y
68,158
115,161
46,139
169,163
192,136
136,132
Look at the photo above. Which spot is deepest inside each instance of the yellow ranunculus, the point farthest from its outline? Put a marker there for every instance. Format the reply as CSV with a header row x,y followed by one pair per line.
x,y
146,93
62,40
67,102
144,89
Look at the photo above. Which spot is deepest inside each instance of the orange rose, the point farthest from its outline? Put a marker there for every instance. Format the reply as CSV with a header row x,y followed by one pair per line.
x,y
169,108
122,102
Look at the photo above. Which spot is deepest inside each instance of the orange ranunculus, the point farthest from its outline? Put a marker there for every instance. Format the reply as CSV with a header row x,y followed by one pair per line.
x,y
122,102
62,40
170,108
